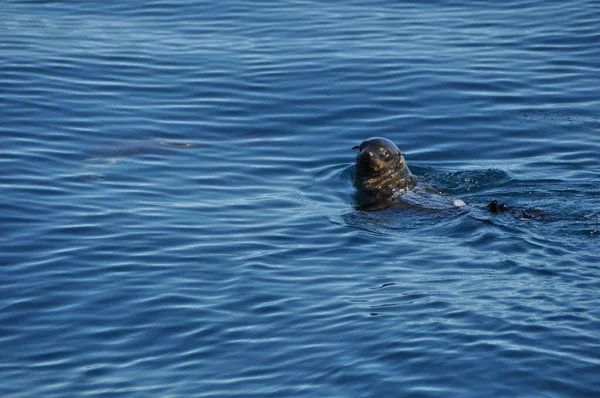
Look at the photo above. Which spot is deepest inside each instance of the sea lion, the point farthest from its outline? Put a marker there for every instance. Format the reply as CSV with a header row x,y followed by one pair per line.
x,y
495,207
381,172
381,176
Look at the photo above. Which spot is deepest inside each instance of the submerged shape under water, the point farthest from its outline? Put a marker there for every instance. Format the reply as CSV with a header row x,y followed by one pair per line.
x,y
179,218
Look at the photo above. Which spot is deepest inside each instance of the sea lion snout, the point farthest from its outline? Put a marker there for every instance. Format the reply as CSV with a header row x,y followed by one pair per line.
x,y
368,162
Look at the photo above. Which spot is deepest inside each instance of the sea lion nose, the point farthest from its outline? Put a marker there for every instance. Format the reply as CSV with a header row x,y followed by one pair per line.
x,y
369,161
363,161
365,158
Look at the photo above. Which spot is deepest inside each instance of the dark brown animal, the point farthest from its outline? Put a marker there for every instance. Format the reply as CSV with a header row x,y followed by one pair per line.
x,y
381,171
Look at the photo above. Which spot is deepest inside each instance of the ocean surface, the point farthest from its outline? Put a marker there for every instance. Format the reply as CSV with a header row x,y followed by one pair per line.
x,y
178,216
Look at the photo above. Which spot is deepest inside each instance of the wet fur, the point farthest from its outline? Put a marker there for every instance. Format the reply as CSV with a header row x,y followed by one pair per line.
x,y
381,171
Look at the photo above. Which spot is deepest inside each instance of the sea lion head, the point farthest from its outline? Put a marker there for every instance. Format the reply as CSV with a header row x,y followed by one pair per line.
x,y
380,166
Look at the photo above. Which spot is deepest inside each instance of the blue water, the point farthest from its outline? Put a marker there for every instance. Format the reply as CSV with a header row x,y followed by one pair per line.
x,y
178,217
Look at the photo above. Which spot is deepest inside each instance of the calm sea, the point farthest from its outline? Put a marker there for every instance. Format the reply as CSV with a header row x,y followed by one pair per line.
x,y
178,217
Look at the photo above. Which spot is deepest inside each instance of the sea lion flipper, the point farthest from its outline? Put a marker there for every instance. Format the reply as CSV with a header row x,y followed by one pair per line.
x,y
495,207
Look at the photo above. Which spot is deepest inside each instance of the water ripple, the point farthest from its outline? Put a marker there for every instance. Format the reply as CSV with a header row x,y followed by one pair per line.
x,y
179,217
